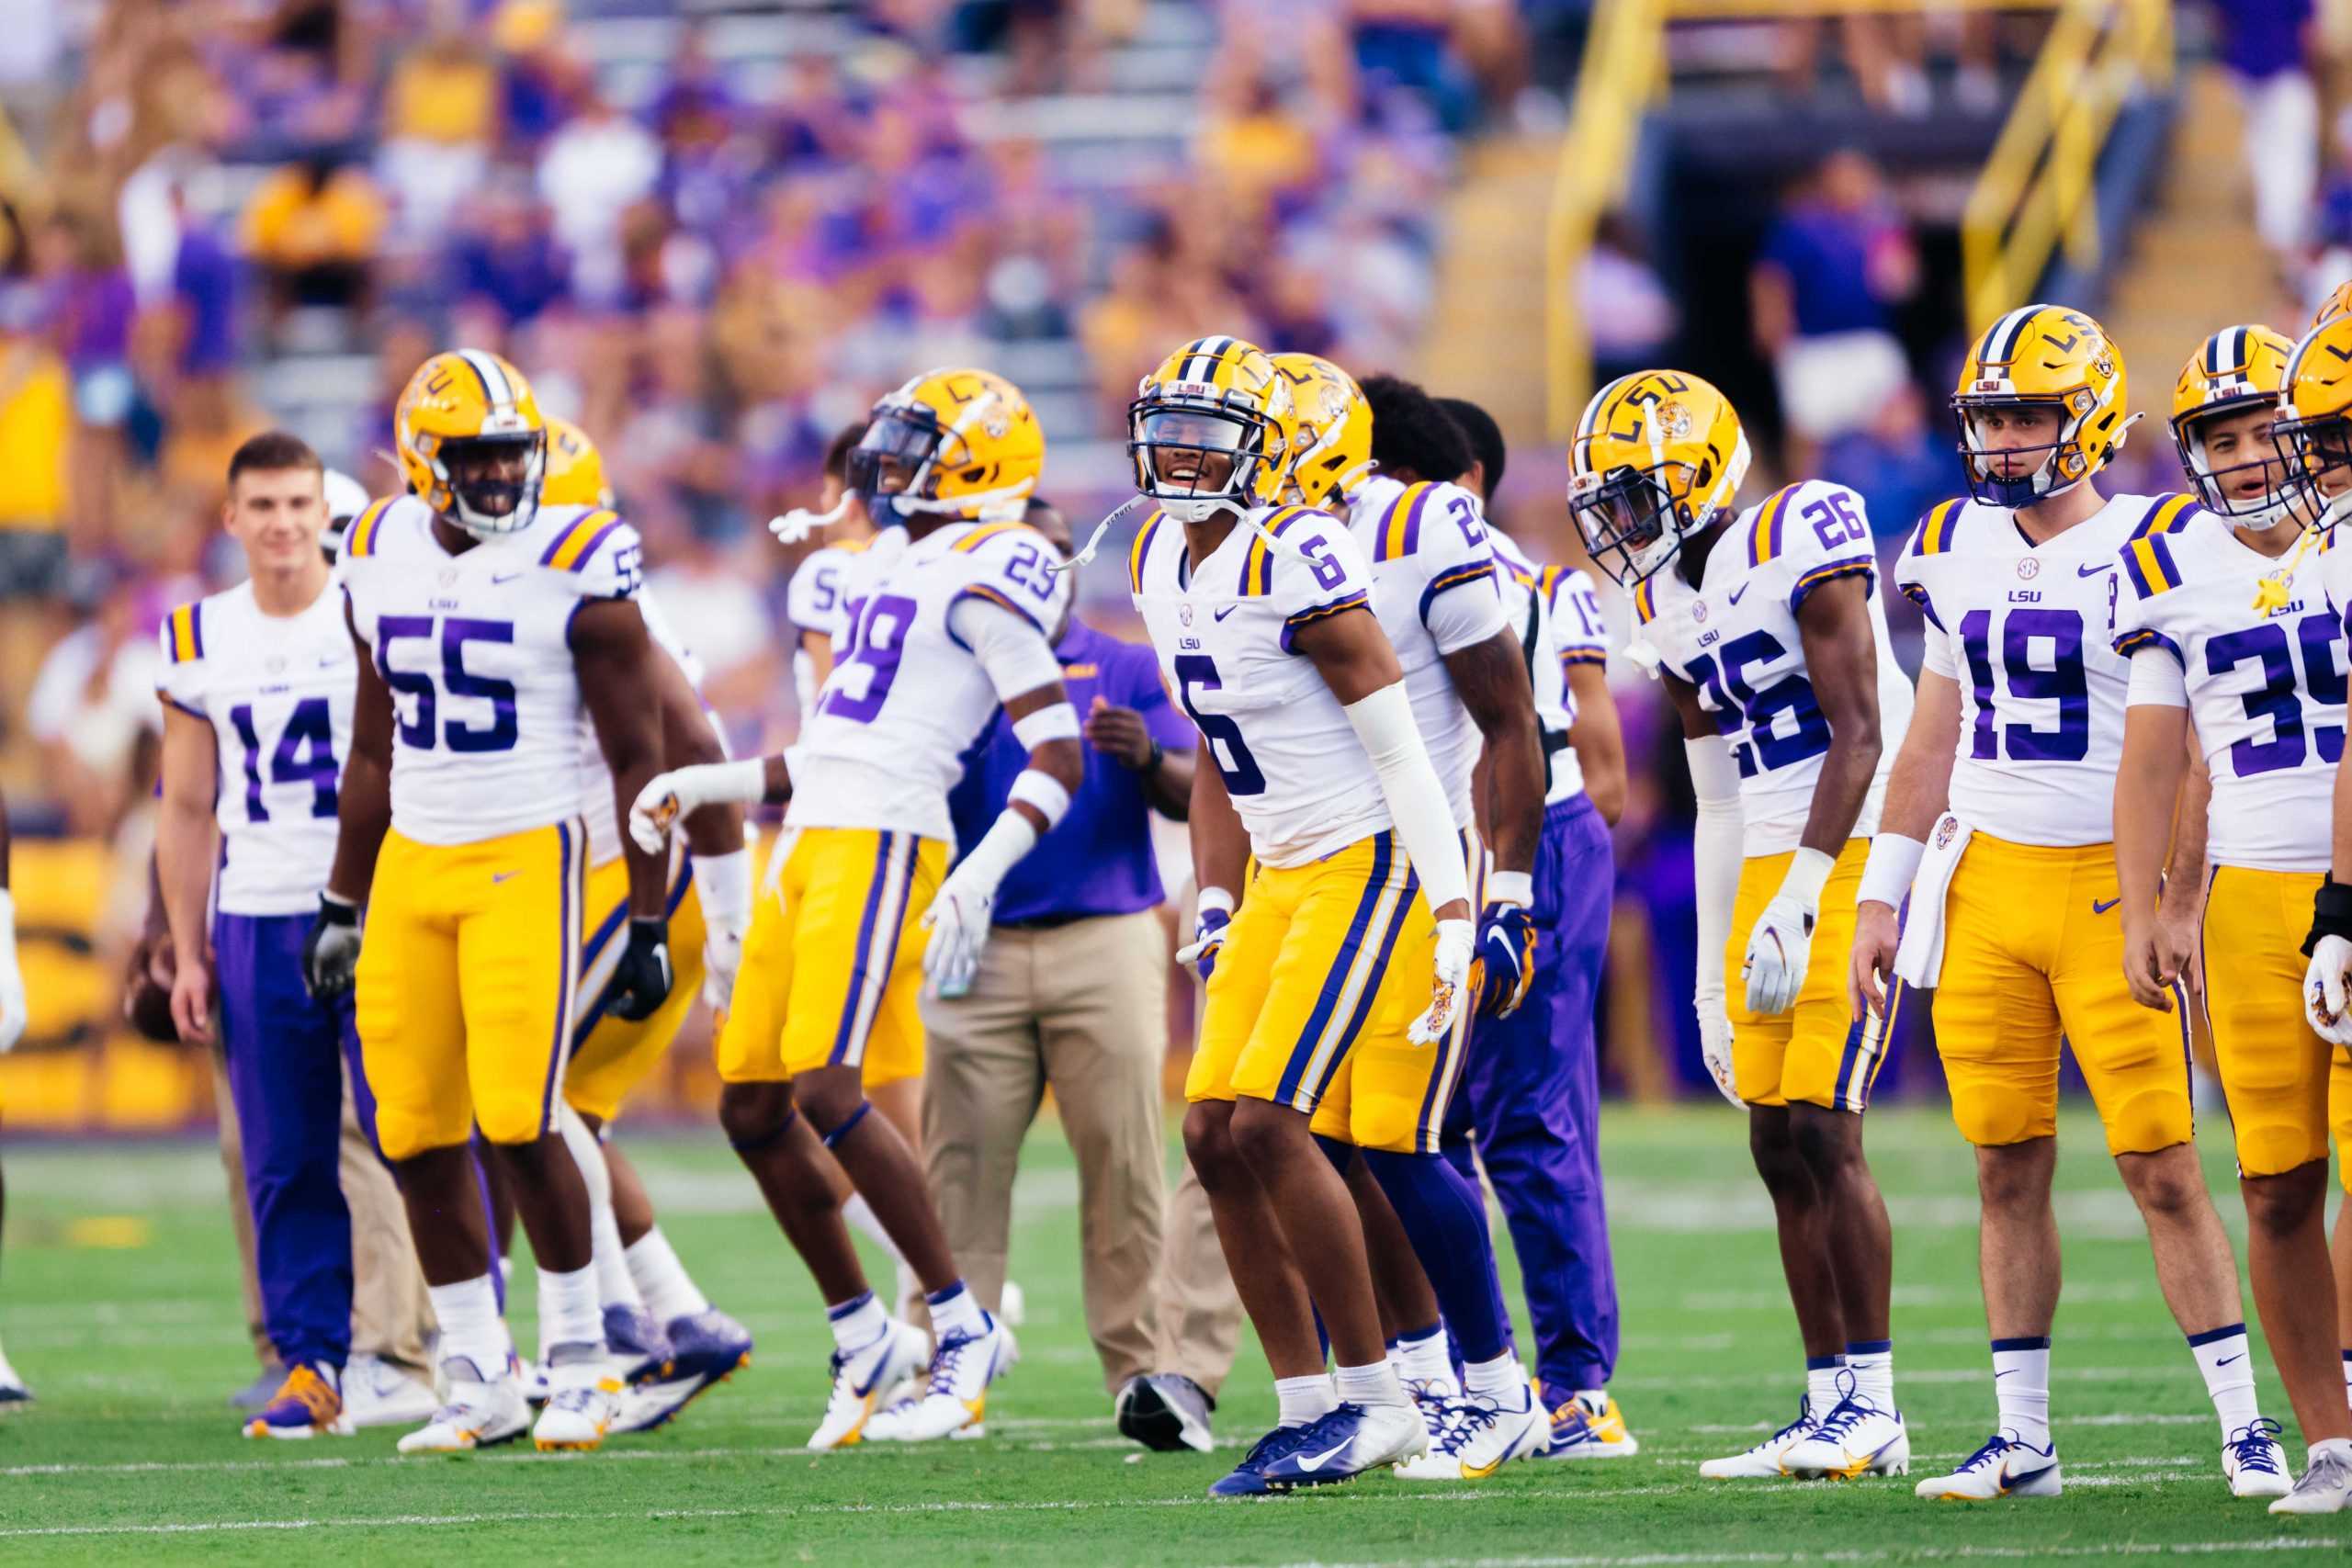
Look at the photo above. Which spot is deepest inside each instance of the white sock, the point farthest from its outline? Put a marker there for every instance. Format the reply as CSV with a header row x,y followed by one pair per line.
x,y
663,1282
470,1327
613,1286
857,1322
570,1311
867,1224
2226,1359
956,1312
8,1378
1368,1386
1821,1391
2348,1376
1304,1399
1422,1358
2021,1384
2340,1446
1503,1380
1872,1363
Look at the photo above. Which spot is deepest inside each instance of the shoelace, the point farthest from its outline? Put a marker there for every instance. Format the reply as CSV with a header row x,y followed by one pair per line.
x,y
1844,1416
2323,1473
573,1399
1804,1422
1996,1446
2255,1446
1279,1443
1466,1418
944,1364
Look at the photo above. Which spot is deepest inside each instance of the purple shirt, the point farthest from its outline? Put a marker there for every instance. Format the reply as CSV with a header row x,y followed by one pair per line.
x,y
2262,38
1826,256
1098,859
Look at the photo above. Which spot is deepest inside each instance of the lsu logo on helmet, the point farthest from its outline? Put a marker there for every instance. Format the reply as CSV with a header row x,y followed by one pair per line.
x,y
1658,455
575,475
1214,428
954,443
2237,372
471,441
2050,358
2337,303
1334,429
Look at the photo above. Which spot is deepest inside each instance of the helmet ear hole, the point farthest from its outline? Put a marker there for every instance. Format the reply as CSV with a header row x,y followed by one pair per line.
x,y
1705,477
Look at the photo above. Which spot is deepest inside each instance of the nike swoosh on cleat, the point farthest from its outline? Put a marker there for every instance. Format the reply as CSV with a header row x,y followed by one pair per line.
x,y
2099,908
2012,1482
1312,1465
2094,570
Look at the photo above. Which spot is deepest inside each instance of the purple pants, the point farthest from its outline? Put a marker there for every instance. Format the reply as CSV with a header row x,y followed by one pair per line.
x,y
286,1054
1532,1087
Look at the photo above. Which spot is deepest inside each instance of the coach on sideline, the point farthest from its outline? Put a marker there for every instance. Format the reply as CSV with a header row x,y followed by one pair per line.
x,y
1071,994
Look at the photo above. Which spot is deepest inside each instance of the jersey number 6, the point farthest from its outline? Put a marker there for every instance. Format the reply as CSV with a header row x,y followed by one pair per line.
x,y
1234,763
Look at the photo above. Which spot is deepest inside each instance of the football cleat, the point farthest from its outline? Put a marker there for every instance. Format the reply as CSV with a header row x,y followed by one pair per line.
x,y
1855,1438
860,1375
2255,1463
2005,1466
1248,1478
1583,1430
378,1393
1477,1436
308,1405
961,1370
1166,1411
583,1402
710,1344
14,1393
479,1412
1345,1443
2325,1487
640,1350
536,1390
892,1412
1762,1462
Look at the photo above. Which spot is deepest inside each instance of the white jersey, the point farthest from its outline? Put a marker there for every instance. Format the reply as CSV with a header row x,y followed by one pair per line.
x,y
476,649
1433,589
1290,758
598,805
1556,617
1735,639
2027,632
814,601
2264,687
907,696
277,692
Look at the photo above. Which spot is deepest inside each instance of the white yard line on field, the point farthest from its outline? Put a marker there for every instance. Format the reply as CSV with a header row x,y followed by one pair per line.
x,y
1892,1554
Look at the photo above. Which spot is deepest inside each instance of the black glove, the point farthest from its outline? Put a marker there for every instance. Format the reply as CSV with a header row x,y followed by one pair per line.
x,y
331,953
2331,913
642,977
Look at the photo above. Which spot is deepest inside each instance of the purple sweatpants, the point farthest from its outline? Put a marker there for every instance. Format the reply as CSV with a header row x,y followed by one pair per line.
x,y
1533,1087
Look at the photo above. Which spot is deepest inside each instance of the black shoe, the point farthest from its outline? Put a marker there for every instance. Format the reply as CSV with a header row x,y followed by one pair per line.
x,y
1166,1413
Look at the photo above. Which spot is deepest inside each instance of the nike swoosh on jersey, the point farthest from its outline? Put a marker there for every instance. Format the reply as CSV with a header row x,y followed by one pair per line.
x,y
1735,593
1220,614
2094,570
2099,908
1311,1465
496,577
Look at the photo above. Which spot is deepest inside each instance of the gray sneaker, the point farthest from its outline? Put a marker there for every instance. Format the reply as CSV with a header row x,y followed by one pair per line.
x,y
2325,1485
1166,1411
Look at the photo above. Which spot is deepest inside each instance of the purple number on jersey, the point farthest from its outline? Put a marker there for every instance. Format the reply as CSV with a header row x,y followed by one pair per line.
x,y
1833,522
1234,765
879,634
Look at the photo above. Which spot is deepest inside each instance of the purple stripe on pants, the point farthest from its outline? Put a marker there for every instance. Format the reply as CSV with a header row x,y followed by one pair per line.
x,y
1532,1085
284,1053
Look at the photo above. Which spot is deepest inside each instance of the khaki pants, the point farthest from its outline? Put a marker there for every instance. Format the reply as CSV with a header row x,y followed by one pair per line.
x,y
392,1317
1082,1009
1200,1312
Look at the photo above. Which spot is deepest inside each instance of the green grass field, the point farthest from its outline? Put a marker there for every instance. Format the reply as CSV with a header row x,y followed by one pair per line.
x,y
118,1304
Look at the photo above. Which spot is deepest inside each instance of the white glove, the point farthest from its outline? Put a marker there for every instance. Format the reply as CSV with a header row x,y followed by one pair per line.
x,y
669,796
2324,990
1781,945
723,887
1715,1047
958,923
1457,941
12,1012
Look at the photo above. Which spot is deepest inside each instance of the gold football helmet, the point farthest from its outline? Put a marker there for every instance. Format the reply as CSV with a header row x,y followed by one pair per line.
x,y
1213,429
471,441
2237,370
2049,357
2313,431
2337,303
1658,456
954,443
575,475
1334,430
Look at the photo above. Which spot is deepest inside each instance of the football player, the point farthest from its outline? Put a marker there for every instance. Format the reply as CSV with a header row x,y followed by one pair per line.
x,y
2236,651
1348,959
486,623
671,1342
1767,630
1434,593
948,619
2010,768
12,1029
1532,1086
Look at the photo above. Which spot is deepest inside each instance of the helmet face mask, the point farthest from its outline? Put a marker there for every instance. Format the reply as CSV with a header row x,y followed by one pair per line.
x,y
1658,456
954,443
493,480
2013,473
2040,406
1632,521
1199,456
2229,449
2318,454
892,463
472,443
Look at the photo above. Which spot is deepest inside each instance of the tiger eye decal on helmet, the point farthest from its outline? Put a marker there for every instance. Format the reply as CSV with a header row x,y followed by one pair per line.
x,y
954,443
1658,455
2039,362
1213,429
471,441
2237,372
1334,430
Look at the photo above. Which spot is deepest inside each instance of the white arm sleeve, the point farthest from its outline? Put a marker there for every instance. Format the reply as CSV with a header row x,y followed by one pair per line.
x,y
2157,680
1008,646
1416,803
1714,855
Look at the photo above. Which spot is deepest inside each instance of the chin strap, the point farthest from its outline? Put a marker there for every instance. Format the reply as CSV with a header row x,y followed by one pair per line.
x,y
799,523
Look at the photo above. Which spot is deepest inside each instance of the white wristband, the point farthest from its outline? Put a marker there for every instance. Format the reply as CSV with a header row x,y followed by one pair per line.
x,y
1211,898
1809,869
723,884
7,927
1886,875
1511,887
1058,721
1041,792
745,781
